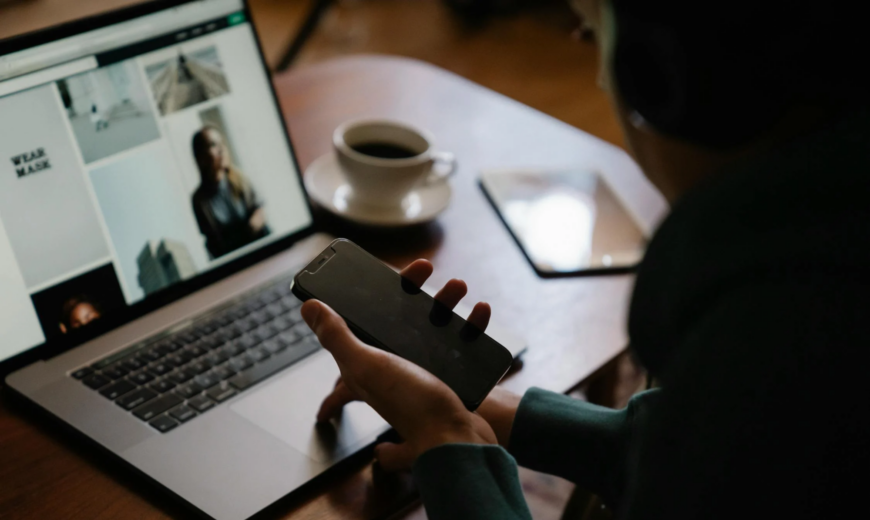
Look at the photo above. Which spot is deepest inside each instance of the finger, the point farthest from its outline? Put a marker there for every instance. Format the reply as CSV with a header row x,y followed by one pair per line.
x,y
480,315
394,457
418,272
335,401
452,292
331,330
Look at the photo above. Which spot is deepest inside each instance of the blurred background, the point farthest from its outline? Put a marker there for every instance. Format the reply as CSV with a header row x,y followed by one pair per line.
x,y
533,51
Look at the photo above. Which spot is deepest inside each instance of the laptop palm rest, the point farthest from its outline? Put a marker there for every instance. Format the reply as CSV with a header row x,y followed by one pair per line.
x,y
286,409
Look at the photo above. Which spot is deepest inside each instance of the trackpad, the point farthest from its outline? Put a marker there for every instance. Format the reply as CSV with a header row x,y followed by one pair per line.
x,y
286,408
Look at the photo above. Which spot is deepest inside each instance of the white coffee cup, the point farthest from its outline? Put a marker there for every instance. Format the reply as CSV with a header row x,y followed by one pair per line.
x,y
382,181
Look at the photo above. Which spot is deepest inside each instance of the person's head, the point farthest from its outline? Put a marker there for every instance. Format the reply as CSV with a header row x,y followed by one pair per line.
x,y
77,312
211,155
698,84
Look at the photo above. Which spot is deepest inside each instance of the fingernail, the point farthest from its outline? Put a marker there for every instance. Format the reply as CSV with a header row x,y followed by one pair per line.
x,y
310,312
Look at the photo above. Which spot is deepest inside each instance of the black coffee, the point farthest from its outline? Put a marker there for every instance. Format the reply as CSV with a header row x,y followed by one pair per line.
x,y
384,150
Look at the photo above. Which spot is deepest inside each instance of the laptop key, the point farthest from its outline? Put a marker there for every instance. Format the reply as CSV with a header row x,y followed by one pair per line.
x,y
136,398
162,386
142,358
141,378
212,342
174,360
200,403
217,357
155,407
163,424
224,372
117,389
197,367
301,329
160,369
234,331
233,349
96,381
152,354
132,363
288,338
180,376
206,380
185,356
242,362
183,413
82,373
188,337
238,313
248,341
188,391
274,346
259,354
267,331
274,310
271,296
166,347
289,302
282,323
197,349
114,372
272,365
221,392
261,317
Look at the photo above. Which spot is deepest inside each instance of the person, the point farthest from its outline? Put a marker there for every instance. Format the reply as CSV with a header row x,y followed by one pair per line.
x,y
749,309
227,209
78,311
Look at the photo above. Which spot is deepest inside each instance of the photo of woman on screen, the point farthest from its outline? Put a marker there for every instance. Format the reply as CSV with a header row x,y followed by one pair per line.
x,y
227,209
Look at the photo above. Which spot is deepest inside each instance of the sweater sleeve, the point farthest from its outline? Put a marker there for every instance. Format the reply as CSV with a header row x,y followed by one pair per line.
x,y
581,442
470,481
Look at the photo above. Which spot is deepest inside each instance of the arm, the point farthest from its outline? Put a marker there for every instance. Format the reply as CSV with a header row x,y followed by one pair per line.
x,y
470,481
547,432
204,227
579,441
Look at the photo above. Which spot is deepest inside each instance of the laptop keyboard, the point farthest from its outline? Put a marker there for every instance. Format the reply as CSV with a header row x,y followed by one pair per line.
x,y
180,375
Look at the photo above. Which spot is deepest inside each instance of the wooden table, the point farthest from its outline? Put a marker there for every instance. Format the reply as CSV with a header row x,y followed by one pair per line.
x,y
573,326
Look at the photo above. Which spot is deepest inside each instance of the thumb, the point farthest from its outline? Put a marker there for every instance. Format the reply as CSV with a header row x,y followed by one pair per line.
x,y
394,457
331,329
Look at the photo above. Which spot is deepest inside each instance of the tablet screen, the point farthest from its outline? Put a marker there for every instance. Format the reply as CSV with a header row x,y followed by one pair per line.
x,y
566,222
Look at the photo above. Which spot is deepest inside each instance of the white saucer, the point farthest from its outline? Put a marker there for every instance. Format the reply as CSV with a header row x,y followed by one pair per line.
x,y
328,188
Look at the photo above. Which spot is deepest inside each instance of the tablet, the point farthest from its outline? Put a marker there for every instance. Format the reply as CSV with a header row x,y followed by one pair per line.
x,y
566,222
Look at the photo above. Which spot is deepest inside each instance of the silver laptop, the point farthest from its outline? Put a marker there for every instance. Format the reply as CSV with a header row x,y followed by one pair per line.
x,y
152,215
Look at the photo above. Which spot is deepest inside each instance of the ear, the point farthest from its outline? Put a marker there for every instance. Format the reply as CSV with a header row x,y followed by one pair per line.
x,y
62,328
651,74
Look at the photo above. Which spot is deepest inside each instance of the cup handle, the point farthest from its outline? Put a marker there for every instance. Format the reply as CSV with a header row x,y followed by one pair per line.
x,y
443,166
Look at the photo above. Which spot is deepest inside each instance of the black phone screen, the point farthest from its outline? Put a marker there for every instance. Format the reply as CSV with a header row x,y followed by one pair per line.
x,y
389,312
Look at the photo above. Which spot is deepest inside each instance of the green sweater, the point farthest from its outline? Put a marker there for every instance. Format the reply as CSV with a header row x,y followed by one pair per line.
x,y
552,433
751,309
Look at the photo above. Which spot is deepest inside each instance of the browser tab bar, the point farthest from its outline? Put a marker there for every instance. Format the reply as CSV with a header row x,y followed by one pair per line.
x,y
102,40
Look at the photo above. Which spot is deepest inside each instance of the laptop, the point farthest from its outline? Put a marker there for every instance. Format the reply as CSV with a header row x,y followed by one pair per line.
x,y
152,215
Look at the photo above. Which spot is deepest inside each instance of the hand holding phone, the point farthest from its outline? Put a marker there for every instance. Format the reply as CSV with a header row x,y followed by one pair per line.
x,y
426,413
390,312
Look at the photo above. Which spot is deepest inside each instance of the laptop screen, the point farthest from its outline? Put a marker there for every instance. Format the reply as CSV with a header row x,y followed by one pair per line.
x,y
134,157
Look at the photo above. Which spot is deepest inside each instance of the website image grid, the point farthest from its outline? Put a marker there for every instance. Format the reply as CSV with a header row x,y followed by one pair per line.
x,y
144,173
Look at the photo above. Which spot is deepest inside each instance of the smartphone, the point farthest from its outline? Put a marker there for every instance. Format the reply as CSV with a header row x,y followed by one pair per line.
x,y
389,312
